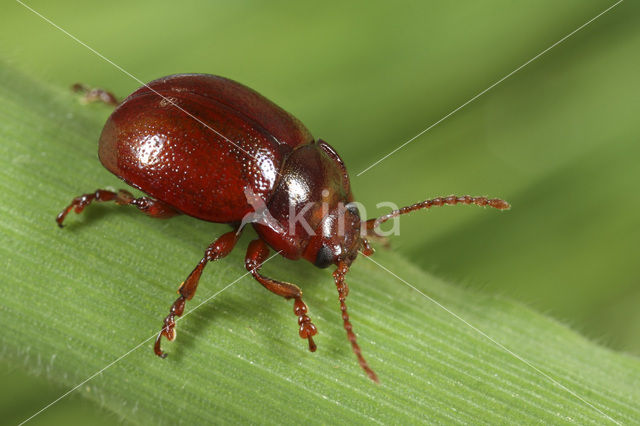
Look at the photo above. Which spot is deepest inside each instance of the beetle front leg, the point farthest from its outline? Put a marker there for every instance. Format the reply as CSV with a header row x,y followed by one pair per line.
x,y
149,206
219,249
257,253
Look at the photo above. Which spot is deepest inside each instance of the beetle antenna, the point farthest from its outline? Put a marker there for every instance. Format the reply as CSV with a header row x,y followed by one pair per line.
x,y
451,200
343,291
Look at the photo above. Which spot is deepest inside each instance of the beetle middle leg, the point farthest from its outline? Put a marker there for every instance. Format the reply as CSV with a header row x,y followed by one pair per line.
x,y
257,253
217,250
149,206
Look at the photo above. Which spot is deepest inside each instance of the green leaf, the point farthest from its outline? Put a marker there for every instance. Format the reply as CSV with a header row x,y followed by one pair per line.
x,y
76,299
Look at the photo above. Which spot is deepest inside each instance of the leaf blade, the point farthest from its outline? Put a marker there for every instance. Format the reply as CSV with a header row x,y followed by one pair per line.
x,y
80,297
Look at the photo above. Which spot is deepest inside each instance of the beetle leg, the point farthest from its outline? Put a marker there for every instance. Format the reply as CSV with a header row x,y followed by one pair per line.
x,y
367,250
257,253
217,250
149,206
95,94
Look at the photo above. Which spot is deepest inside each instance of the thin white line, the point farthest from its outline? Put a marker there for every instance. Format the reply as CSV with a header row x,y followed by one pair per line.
x,y
383,158
501,346
138,80
87,379
491,87
190,115
137,346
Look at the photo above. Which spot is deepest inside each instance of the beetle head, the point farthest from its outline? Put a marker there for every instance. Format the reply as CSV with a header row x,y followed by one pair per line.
x,y
337,237
314,205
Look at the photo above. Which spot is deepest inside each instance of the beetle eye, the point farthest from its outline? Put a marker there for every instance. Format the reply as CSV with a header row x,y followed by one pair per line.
x,y
324,258
353,209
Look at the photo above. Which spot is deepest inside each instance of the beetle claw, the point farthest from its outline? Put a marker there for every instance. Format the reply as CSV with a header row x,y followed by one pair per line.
x,y
312,345
156,347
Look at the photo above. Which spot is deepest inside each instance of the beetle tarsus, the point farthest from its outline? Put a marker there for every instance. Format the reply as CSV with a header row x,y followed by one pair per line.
x,y
156,347
217,250
168,328
79,203
307,329
257,253
149,206
95,94
60,219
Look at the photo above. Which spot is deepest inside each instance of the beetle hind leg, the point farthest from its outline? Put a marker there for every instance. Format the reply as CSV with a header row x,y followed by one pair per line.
x,y
256,255
94,94
149,206
217,250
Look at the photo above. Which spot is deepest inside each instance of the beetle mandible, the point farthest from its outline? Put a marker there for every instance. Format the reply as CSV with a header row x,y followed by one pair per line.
x,y
211,148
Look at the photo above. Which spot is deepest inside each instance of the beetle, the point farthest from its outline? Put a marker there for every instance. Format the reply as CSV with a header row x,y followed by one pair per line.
x,y
209,147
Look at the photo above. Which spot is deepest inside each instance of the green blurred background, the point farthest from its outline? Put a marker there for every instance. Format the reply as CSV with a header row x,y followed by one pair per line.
x,y
558,139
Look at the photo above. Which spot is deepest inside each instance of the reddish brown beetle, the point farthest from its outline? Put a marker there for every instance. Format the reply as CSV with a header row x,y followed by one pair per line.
x,y
211,148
